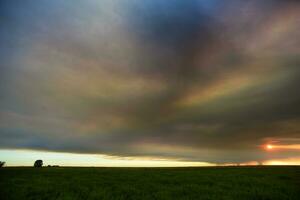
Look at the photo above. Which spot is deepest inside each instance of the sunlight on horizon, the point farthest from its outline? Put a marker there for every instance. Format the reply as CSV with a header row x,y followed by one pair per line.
x,y
27,158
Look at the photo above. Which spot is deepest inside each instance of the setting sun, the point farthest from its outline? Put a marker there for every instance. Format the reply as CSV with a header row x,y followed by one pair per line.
x,y
269,147
286,147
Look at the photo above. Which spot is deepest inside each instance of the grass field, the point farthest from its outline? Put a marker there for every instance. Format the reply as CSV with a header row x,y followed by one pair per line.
x,y
151,183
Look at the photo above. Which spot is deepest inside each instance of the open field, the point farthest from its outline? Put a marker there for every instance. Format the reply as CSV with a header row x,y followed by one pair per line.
x,y
150,183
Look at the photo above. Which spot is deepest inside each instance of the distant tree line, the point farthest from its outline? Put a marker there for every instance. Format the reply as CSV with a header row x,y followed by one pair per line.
x,y
53,166
37,163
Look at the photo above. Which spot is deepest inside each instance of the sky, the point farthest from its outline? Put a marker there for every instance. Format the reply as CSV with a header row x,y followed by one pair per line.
x,y
150,83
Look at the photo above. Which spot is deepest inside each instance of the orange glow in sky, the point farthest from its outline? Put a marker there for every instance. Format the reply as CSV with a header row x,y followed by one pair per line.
x,y
283,147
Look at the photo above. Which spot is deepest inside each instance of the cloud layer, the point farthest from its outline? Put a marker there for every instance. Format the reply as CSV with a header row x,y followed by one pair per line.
x,y
191,80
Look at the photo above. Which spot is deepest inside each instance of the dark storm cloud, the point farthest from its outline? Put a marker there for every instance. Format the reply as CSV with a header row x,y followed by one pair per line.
x,y
192,80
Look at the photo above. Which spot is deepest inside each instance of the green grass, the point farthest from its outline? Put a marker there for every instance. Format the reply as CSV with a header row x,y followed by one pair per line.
x,y
265,183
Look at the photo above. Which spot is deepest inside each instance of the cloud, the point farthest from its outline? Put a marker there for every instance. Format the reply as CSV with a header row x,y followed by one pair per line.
x,y
195,81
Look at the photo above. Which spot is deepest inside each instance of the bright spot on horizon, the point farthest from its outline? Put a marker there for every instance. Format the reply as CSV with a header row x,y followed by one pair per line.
x,y
283,147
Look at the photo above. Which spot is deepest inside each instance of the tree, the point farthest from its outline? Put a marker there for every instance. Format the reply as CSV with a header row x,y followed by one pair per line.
x,y
38,163
2,164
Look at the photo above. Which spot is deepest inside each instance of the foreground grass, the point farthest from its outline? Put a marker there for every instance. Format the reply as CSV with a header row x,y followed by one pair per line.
x,y
151,183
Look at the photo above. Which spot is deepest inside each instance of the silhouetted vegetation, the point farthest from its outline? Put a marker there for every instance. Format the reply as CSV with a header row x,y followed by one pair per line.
x,y
38,163
53,166
207,183
2,164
